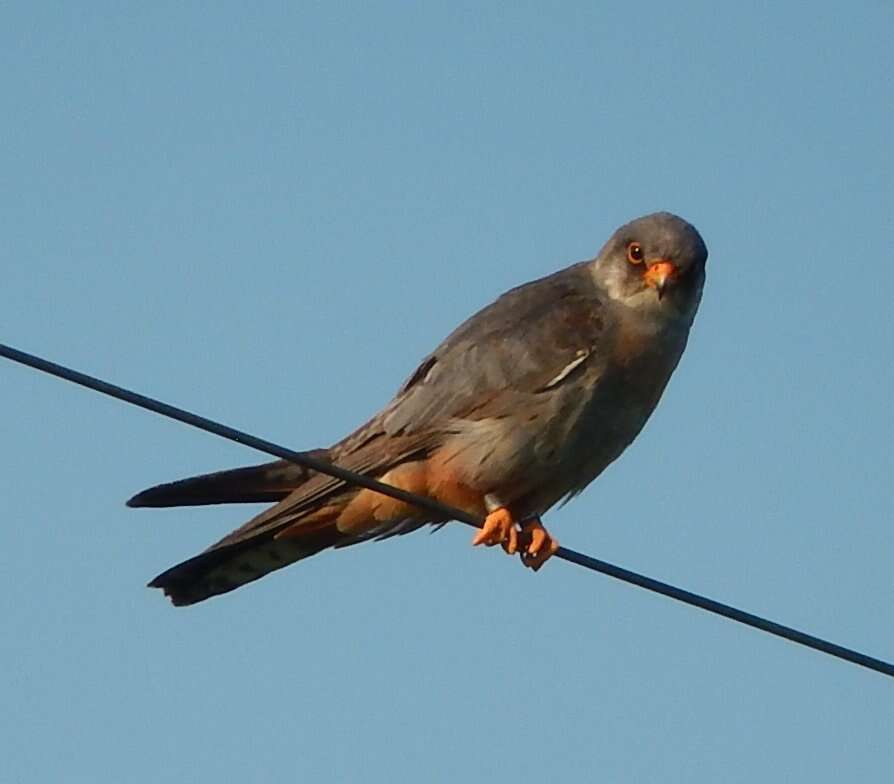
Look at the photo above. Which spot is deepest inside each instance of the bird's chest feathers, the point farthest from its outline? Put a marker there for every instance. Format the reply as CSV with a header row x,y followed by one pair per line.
x,y
644,353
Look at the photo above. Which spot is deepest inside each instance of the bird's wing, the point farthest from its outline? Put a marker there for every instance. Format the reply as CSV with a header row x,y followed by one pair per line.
x,y
529,341
525,343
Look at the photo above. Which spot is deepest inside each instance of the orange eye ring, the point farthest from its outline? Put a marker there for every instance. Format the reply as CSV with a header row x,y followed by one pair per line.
x,y
635,253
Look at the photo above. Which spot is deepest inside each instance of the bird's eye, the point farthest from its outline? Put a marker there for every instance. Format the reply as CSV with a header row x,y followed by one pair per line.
x,y
635,253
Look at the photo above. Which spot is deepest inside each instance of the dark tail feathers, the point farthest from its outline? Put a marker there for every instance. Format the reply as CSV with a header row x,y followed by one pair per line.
x,y
224,568
254,484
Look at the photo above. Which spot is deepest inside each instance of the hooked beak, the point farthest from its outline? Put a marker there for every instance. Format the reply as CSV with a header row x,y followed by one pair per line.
x,y
659,274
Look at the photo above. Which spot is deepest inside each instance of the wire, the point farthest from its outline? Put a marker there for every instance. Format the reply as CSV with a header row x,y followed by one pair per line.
x,y
442,510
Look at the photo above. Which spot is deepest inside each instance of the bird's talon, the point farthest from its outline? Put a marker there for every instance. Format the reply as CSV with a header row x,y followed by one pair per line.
x,y
510,543
499,528
536,545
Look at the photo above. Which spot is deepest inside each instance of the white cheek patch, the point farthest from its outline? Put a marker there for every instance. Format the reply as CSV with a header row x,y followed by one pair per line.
x,y
612,284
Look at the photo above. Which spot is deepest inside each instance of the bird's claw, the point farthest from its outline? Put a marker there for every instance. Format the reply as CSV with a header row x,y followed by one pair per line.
x,y
536,544
499,528
532,542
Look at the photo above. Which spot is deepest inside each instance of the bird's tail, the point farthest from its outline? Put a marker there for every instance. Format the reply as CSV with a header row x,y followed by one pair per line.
x,y
259,546
225,567
253,484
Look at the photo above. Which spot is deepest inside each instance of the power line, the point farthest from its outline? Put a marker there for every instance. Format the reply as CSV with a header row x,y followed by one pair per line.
x,y
442,510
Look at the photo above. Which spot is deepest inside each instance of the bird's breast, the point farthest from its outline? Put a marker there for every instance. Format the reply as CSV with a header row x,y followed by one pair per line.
x,y
620,401
641,362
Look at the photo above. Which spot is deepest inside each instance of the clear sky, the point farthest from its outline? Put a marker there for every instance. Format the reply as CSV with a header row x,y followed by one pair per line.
x,y
270,212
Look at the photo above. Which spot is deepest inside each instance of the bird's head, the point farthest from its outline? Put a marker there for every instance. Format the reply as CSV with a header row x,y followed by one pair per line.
x,y
655,263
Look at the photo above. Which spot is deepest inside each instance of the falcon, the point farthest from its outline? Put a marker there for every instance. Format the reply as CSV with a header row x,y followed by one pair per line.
x,y
521,407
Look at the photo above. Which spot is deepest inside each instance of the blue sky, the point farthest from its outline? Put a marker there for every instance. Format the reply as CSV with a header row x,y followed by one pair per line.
x,y
269,212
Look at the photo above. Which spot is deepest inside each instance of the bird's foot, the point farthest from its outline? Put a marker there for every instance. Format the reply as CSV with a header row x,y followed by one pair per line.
x,y
499,528
535,544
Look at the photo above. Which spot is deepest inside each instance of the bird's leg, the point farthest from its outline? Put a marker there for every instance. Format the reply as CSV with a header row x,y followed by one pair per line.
x,y
499,528
533,542
536,544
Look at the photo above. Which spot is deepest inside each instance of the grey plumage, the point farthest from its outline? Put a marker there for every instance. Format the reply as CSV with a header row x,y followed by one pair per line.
x,y
527,401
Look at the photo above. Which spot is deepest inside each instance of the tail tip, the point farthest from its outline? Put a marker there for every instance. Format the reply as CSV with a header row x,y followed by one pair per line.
x,y
159,496
179,595
145,498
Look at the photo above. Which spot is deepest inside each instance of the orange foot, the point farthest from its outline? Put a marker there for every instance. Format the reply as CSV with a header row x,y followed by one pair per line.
x,y
537,545
499,528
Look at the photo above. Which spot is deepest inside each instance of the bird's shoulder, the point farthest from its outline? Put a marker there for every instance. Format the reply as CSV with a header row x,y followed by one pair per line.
x,y
529,340
565,306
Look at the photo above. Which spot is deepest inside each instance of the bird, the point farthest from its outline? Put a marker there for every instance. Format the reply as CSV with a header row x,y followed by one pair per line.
x,y
518,409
